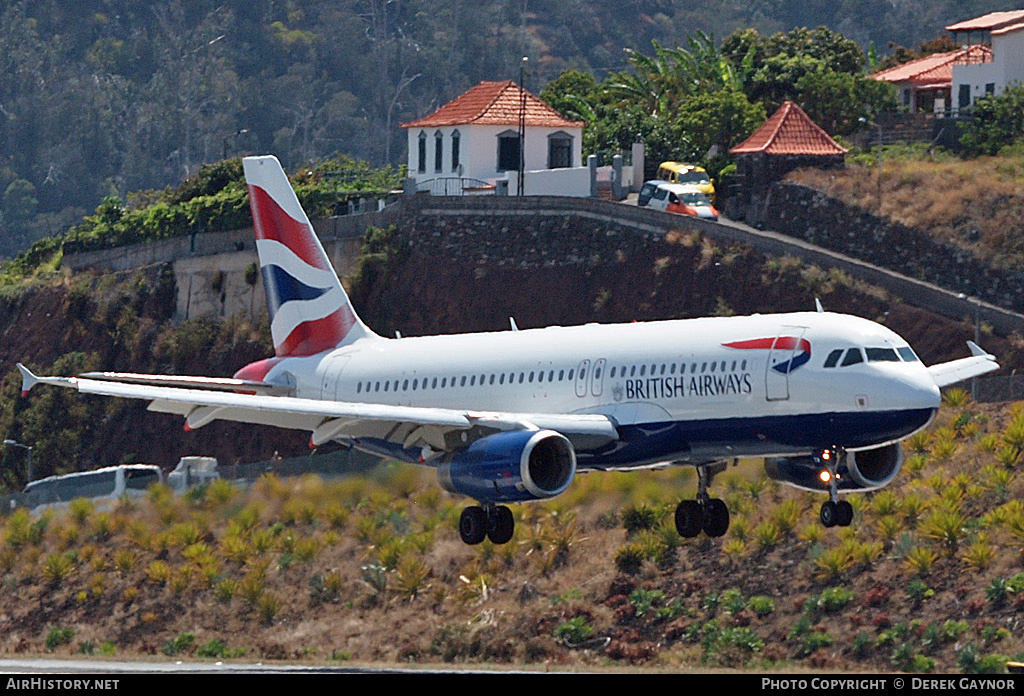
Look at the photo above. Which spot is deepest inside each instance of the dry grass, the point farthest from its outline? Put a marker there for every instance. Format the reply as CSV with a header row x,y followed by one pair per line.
x,y
974,204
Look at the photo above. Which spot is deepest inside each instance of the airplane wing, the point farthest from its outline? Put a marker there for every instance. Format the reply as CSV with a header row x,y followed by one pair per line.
x,y
411,426
955,371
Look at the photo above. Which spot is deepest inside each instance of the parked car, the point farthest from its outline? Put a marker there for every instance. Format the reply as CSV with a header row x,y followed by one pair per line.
x,y
688,175
685,200
647,190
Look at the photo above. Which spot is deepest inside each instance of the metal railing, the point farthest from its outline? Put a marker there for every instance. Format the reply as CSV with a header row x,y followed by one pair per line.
x,y
456,186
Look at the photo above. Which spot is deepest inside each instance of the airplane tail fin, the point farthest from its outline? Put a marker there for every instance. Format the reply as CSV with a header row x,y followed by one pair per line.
x,y
309,309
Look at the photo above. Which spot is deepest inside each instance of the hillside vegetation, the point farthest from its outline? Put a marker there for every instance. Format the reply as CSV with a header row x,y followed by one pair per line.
x,y
137,96
929,578
975,204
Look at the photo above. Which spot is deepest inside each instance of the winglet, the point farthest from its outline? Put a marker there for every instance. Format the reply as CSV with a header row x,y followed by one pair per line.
x,y
978,351
28,380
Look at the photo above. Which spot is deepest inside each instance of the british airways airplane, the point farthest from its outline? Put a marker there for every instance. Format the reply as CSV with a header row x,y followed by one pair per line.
x,y
513,416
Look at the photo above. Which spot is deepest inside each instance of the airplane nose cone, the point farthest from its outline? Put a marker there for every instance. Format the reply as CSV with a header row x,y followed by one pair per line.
x,y
921,392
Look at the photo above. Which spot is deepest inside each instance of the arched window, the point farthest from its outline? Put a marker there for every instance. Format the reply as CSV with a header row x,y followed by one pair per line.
x,y
421,164
438,151
559,150
456,139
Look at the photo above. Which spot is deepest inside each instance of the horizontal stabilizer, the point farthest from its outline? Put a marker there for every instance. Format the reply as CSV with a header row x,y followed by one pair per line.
x,y
978,364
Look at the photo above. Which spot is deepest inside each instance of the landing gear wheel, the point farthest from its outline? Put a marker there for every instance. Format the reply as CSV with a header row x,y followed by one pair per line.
x,y
689,519
829,513
473,525
844,513
500,525
716,518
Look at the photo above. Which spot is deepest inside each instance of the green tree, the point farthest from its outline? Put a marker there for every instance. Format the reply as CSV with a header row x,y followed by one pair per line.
x,y
998,121
20,202
723,118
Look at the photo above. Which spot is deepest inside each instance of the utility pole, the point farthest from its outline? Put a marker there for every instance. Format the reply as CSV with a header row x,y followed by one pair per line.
x,y
522,126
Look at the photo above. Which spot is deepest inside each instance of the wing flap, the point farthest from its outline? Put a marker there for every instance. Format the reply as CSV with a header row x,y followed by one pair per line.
x,y
188,382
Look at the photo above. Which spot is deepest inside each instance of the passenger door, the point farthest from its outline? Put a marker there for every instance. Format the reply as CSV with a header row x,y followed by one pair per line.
x,y
331,378
582,378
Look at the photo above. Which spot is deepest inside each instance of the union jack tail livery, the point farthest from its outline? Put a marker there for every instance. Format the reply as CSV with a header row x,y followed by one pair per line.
x,y
309,310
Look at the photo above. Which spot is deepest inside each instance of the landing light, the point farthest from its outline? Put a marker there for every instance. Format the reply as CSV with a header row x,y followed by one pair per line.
x,y
825,476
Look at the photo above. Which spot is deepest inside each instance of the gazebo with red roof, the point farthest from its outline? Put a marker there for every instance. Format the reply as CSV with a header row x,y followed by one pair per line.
x,y
788,140
476,136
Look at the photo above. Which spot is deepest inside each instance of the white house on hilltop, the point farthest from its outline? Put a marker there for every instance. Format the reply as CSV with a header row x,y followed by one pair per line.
x,y
1004,33
476,137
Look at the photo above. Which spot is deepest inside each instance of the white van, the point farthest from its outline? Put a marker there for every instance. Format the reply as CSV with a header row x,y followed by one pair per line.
x,y
104,486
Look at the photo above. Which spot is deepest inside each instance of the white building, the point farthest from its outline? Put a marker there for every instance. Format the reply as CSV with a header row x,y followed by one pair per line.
x,y
1004,33
473,141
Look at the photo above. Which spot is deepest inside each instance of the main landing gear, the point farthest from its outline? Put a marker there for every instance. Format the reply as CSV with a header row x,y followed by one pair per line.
x,y
494,522
835,512
706,514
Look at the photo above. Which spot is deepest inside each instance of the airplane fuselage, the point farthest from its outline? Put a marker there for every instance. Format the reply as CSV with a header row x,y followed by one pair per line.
x,y
681,390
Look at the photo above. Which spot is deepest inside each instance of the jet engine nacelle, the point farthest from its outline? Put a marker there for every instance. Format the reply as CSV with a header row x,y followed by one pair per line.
x,y
865,470
511,467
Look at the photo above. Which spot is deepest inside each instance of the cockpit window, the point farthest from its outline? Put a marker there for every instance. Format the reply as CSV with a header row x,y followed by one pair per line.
x,y
882,355
853,356
833,357
907,354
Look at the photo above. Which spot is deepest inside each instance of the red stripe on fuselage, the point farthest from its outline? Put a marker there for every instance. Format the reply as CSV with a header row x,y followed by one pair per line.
x,y
780,343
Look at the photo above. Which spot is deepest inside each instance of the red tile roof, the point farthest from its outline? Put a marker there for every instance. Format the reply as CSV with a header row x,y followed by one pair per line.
x,y
1007,29
790,131
935,70
494,104
993,20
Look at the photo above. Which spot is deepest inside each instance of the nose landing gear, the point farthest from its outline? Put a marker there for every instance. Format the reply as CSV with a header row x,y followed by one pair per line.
x,y
835,512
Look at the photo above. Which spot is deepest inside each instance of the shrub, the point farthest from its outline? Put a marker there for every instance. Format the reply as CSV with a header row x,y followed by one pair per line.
x,y
59,636
640,518
918,591
832,563
179,644
57,567
945,525
980,555
574,631
835,598
761,605
920,559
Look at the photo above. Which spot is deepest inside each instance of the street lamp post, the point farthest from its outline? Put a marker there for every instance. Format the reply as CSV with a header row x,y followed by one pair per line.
x,y
879,183
977,334
12,443
520,188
